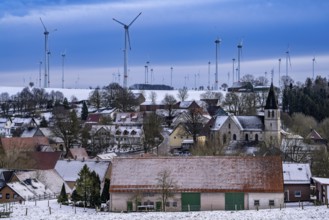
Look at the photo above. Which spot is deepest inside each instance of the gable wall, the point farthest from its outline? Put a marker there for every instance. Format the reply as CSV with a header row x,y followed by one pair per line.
x,y
6,190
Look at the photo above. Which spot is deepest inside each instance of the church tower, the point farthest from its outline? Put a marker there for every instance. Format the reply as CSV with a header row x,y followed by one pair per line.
x,y
272,121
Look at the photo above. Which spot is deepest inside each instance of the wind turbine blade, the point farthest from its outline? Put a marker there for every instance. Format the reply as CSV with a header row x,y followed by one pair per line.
x,y
119,22
128,36
134,19
43,24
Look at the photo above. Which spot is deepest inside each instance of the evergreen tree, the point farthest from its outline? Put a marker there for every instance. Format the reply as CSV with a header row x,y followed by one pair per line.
x,y
106,191
84,184
95,197
84,112
75,196
63,196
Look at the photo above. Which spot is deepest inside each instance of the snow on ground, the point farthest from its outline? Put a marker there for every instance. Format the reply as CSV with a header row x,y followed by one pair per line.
x,y
42,211
83,94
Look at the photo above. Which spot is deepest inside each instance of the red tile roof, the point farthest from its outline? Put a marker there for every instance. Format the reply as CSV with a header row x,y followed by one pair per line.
x,y
18,144
199,174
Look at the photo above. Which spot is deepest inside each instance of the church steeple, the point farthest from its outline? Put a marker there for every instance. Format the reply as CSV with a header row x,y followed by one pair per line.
x,y
271,102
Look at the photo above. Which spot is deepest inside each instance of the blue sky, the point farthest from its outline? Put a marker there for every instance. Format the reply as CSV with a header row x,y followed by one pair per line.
x,y
171,33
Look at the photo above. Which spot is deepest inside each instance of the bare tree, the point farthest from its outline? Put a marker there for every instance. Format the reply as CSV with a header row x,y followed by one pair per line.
x,y
166,185
153,97
66,126
169,101
95,98
182,94
302,124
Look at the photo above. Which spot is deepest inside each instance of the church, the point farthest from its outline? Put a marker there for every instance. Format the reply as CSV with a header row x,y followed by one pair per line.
x,y
229,129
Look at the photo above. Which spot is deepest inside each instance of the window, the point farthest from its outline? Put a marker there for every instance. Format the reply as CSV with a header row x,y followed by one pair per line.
x,y
256,202
7,196
229,126
271,202
224,138
234,137
174,204
167,204
256,137
272,114
268,114
298,194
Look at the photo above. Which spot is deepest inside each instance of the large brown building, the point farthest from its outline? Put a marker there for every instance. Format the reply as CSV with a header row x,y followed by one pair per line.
x,y
197,183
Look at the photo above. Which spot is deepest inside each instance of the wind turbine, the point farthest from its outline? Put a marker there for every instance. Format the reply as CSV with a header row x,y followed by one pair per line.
x,y
171,68
63,60
48,55
313,66
217,42
208,75
288,61
279,72
233,72
127,41
239,58
46,62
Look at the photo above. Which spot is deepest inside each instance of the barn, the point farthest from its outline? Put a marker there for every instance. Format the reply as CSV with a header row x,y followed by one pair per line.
x,y
196,183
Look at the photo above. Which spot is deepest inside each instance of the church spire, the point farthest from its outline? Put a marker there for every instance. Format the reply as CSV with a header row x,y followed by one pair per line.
x,y
271,102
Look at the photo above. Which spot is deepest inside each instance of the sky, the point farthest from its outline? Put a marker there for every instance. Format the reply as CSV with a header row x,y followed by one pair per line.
x,y
177,34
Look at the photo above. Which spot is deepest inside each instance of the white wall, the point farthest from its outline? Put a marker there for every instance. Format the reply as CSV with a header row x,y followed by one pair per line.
x,y
264,200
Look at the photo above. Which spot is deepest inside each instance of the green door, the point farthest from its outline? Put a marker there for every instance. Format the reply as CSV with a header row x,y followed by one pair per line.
x,y
158,206
190,201
234,201
129,206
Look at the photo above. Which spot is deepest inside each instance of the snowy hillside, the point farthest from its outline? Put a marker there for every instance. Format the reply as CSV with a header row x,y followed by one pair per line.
x,y
30,211
83,94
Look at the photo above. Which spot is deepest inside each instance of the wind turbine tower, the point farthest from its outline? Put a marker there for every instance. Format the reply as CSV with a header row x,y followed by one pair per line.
x,y
287,61
63,61
48,55
239,59
46,62
217,42
209,75
171,69
127,41
313,66
40,65
279,72
233,70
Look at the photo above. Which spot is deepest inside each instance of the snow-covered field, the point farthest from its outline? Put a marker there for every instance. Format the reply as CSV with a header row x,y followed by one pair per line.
x,y
41,211
83,94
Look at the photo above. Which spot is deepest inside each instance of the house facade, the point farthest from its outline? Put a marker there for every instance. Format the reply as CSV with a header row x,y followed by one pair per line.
x,y
297,182
321,189
197,183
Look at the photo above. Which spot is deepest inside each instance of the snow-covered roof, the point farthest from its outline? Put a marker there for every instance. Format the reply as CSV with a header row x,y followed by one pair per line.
x,y
296,173
219,121
29,132
107,156
20,189
321,180
69,169
50,178
199,174
250,122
